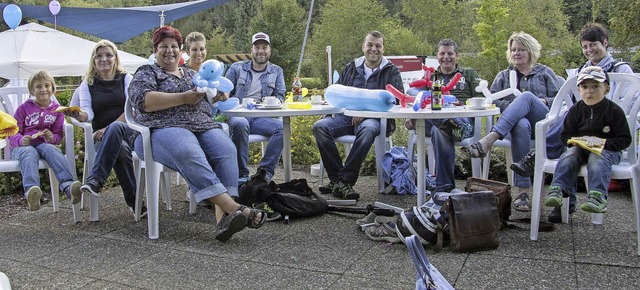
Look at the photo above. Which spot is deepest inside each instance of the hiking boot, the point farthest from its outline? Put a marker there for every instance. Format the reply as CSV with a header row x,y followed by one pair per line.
x,y
521,203
554,196
272,215
556,215
143,211
456,131
73,192
597,203
91,187
328,188
526,165
33,198
344,190
385,232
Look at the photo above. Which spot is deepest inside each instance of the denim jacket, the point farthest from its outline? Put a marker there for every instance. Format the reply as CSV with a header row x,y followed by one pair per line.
x,y
541,81
272,81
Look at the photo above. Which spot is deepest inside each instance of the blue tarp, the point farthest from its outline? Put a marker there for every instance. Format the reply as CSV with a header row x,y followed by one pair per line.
x,y
116,24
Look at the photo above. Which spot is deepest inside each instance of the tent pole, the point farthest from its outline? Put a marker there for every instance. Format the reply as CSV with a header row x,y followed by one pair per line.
x,y
304,41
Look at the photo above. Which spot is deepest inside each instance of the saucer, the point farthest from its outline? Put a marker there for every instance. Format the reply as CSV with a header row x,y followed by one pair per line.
x,y
478,108
269,107
317,103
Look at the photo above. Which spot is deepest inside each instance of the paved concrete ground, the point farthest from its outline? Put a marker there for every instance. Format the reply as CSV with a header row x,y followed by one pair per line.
x,y
43,250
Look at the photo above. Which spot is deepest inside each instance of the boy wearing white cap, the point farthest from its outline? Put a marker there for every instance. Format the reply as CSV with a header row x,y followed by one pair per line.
x,y
600,124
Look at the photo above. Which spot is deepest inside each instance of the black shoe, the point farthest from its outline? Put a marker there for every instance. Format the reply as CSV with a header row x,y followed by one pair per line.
x,y
328,188
91,187
526,165
344,190
556,216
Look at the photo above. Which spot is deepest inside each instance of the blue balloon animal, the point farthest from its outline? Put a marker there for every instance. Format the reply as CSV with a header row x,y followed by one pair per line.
x,y
209,79
352,98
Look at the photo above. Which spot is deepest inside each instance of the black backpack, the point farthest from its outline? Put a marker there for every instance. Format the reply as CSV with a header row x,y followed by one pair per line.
x,y
294,198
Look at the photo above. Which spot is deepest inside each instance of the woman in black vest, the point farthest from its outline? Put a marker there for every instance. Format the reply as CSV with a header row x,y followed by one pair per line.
x,y
102,95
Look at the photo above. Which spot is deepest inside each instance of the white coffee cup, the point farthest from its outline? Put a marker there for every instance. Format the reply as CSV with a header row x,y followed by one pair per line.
x,y
316,99
477,102
246,101
271,101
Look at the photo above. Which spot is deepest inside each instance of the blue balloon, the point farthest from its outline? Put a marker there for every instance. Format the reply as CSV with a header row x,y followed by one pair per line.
x,y
229,104
352,98
12,15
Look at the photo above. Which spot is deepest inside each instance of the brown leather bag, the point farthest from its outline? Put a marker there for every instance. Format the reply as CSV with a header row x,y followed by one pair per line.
x,y
500,189
473,221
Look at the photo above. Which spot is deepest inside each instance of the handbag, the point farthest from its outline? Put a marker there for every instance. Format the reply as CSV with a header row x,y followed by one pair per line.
x,y
500,189
473,221
427,276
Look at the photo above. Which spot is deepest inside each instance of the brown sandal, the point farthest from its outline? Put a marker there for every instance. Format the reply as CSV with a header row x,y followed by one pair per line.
x,y
230,224
253,214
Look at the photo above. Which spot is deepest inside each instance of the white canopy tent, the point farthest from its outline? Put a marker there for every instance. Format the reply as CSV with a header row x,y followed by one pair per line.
x,y
33,47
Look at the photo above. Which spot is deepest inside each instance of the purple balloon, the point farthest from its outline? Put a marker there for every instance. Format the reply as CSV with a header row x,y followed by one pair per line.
x,y
54,7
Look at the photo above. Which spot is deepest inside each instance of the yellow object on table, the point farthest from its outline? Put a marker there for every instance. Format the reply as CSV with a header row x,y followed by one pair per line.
x,y
298,105
8,125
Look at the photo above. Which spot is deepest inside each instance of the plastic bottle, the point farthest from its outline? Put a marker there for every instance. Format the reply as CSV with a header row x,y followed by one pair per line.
x,y
296,88
436,97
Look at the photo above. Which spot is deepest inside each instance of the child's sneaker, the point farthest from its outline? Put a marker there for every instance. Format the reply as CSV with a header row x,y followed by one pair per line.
x,y
73,192
596,203
33,198
554,196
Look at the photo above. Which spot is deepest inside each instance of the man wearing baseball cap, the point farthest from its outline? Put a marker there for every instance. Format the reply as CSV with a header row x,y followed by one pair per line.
x,y
257,78
594,122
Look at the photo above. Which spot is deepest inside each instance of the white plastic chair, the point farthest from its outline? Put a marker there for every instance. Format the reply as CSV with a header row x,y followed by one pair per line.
x,y
476,163
11,98
148,176
629,167
381,145
89,157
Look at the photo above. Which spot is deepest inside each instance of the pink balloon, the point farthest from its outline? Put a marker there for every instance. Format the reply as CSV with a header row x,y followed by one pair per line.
x,y
54,7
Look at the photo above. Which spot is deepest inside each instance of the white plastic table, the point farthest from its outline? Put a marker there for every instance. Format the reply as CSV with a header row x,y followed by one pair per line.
x,y
286,115
408,113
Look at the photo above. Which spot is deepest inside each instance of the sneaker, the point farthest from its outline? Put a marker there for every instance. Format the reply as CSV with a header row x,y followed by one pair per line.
x,y
554,196
369,219
73,192
522,202
91,187
344,190
556,216
456,131
272,215
597,203
33,198
385,232
328,188
526,165
143,211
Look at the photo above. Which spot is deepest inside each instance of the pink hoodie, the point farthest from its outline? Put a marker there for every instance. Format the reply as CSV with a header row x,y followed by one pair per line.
x,y
33,119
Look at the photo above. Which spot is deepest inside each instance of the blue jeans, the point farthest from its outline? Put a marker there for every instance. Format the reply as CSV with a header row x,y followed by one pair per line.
x,y
518,121
240,128
445,153
327,129
598,170
114,152
28,157
207,160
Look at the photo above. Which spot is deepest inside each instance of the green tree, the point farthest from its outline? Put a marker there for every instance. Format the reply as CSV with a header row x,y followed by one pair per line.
x,y
284,21
626,23
493,20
